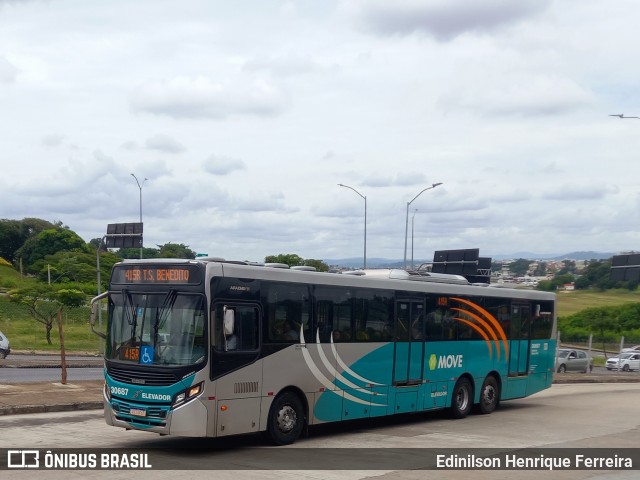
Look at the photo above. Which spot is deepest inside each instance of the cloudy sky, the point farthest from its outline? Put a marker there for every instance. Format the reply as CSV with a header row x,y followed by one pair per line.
x,y
245,116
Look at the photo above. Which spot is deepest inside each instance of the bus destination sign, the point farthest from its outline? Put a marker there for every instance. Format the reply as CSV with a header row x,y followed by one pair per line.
x,y
156,274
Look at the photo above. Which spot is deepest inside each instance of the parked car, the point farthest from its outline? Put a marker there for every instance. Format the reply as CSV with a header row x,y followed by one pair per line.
x,y
4,345
625,361
571,360
635,348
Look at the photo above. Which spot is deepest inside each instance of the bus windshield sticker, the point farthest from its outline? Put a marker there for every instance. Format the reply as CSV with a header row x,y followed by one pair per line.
x,y
146,354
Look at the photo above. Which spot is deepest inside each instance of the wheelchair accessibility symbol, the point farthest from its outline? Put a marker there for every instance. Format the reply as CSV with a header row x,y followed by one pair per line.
x,y
146,354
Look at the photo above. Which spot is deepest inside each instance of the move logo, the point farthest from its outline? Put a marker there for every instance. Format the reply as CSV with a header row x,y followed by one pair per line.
x,y
445,361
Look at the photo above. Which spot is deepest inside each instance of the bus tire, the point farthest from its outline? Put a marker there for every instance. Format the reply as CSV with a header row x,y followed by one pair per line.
x,y
462,399
286,419
489,395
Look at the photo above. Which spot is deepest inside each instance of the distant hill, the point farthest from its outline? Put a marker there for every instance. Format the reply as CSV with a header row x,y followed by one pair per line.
x,y
590,255
356,262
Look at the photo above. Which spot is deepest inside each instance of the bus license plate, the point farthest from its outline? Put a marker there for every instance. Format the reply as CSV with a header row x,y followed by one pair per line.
x,y
138,412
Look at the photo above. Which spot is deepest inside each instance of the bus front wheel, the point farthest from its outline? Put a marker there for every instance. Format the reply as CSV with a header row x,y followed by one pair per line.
x,y
489,395
462,399
286,419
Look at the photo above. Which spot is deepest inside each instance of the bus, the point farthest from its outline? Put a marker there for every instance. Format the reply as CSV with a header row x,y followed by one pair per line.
x,y
210,348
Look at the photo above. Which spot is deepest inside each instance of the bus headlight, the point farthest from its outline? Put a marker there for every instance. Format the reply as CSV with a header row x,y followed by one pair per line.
x,y
188,394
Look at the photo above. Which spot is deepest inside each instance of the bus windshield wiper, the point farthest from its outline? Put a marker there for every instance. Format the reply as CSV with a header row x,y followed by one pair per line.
x,y
163,312
130,312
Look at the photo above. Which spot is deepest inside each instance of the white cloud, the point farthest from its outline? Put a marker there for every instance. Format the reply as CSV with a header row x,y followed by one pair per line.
x,y
442,19
219,165
525,94
202,97
164,143
8,72
286,65
577,192
53,140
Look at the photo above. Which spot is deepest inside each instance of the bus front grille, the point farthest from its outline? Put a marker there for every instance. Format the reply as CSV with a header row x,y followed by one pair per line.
x,y
137,377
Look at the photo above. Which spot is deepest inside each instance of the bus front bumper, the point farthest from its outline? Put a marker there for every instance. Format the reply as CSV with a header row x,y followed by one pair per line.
x,y
189,420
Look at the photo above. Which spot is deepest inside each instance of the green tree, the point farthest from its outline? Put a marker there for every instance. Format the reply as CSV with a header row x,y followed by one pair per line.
x,y
628,316
107,260
562,279
44,303
602,322
11,238
295,260
540,270
135,253
291,259
519,267
176,250
65,267
14,233
596,274
568,266
546,286
319,265
46,243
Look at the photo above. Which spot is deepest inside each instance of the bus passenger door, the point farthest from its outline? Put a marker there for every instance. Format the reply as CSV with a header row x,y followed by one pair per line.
x,y
409,342
519,343
232,350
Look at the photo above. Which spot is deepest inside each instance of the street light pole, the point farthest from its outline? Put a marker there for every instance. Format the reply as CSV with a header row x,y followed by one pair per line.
x,y
413,217
406,227
140,185
621,115
365,221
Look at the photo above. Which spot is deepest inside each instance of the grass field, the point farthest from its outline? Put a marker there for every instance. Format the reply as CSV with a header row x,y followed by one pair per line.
x,y
573,302
25,333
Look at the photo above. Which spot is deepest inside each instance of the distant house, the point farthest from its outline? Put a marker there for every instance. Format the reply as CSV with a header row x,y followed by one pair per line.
x,y
569,287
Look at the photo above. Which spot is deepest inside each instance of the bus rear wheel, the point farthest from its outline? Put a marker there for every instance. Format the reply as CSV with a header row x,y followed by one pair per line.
x,y
462,399
286,419
489,395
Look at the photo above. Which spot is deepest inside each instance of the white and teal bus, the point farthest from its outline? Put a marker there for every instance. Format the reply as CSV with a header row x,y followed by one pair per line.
x,y
212,348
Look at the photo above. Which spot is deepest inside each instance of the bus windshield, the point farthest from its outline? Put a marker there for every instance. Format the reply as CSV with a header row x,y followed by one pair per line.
x,y
166,328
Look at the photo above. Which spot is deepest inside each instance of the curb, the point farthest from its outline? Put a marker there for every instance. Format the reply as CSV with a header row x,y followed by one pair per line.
x,y
60,407
563,378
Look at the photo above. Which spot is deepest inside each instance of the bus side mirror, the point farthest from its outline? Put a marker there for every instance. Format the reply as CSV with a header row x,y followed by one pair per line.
x,y
229,321
95,311
94,314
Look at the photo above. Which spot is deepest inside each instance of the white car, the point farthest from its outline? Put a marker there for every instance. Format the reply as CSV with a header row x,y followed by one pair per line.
x,y
626,361
635,348
5,348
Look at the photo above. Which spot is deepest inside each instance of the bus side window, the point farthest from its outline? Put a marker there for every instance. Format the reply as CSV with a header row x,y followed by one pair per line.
x,y
248,331
287,309
245,335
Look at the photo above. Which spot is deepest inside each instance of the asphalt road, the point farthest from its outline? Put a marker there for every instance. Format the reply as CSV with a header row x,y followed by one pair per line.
x,y
570,416
28,375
